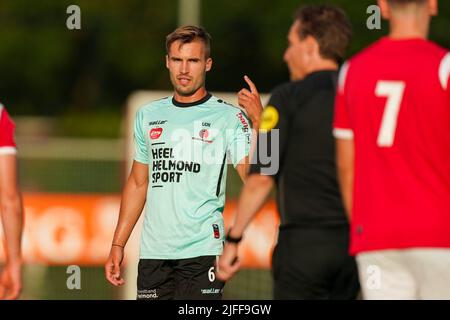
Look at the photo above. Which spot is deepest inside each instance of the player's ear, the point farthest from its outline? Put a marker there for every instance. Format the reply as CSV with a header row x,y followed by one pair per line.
x,y
209,62
167,61
433,7
385,10
311,46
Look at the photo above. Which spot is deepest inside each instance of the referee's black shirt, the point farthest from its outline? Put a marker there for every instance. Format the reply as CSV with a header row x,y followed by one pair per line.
x,y
307,188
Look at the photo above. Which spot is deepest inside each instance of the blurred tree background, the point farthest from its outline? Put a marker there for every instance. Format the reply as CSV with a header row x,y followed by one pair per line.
x,y
48,70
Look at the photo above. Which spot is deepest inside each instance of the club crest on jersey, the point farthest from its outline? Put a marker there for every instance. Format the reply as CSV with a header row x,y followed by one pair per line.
x,y
216,231
155,133
204,134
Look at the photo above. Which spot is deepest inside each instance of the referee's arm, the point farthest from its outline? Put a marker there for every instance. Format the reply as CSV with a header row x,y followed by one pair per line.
x,y
254,193
252,198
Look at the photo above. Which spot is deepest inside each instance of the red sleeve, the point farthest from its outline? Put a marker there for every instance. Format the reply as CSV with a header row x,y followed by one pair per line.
x,y
341,125
7,127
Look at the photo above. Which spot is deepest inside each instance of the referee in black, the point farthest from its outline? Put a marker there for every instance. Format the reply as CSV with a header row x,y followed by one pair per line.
x,y
311,259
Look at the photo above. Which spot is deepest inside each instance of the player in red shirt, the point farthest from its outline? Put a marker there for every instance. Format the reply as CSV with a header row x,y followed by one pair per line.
x,y
392,124
11,210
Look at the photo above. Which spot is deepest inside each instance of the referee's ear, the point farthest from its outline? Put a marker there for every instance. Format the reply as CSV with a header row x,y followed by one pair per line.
x,y
167,61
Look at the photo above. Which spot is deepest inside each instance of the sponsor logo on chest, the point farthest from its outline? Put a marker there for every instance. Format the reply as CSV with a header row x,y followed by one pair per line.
x,y
155,133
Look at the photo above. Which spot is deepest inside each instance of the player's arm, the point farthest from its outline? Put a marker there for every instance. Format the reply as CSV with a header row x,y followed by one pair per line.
x,y
345,154
252,198
251,102
242,168
132,204
12,220
345,148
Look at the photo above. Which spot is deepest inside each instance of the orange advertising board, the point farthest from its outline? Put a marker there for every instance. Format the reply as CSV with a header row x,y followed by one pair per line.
x,y
67,229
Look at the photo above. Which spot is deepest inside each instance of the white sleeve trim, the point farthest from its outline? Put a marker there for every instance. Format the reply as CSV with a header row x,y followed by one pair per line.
x,y
346,134
343,76
7,150
444,71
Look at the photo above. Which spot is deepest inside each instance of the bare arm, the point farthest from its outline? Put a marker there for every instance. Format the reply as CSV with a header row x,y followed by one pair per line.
x,y
12,220
251,101
252,198
133,201
132,204
345,154
242,168
11,207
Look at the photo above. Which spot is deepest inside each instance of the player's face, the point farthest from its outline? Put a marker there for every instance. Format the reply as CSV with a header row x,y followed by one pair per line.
x,y
187,66
297,54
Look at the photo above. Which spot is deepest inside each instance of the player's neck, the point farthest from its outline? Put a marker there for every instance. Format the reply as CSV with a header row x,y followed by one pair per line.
x,y
196,96
323,65
411,28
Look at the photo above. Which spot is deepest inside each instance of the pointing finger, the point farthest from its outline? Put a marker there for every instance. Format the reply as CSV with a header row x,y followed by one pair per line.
x,y
251,85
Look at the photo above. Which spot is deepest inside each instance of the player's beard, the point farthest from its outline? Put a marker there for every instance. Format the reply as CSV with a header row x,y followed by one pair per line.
x,y
190,90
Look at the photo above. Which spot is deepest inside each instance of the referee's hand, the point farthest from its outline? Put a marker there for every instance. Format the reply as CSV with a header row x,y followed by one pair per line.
x,y
251,102
112,266
228,263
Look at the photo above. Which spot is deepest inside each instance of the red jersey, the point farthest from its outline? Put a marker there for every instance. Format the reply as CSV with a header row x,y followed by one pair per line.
x,y
7,144
393,100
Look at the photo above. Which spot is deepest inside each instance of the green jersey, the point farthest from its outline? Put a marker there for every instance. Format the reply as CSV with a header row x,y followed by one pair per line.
x,y
187,147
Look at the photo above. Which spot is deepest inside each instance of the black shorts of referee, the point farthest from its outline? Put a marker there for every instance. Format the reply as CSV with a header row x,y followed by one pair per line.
x,y
313,263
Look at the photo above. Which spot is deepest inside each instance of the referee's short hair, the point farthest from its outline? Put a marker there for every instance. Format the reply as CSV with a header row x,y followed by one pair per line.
x,y
187,34
330,27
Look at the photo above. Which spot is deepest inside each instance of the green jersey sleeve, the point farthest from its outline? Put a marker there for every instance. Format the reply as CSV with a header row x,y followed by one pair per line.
x,y
140,144
239,138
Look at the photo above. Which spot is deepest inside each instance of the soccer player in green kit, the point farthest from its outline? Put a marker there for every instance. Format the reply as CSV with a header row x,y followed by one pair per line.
x,y
182,146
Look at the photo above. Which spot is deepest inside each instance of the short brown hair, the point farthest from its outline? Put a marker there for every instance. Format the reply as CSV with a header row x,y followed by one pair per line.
x,y
403,2
330,27
188,34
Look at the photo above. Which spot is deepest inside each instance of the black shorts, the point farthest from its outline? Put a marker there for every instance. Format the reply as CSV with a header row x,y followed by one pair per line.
x,y
314,263
184,279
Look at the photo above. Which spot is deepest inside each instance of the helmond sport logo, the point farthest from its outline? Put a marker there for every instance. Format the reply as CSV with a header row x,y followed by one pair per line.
x,y
155,133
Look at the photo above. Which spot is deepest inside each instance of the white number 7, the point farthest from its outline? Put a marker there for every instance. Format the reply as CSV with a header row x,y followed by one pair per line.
x,y
393,90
